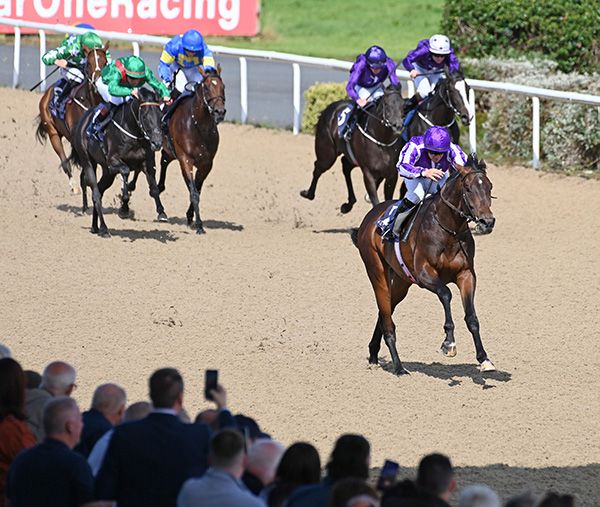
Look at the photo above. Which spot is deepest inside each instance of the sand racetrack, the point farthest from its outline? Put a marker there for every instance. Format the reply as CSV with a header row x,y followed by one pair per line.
x,y
276,297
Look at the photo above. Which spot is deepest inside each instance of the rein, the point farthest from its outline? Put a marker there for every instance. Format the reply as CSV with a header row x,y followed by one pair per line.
x,y
445,97
137,120
383,121
468,217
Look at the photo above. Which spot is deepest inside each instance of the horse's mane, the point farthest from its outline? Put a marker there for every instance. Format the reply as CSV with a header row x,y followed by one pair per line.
x,y
148,94
211,72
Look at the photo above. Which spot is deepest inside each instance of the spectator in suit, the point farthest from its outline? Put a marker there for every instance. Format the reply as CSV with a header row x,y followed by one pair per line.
x,y
51,473
108,406
261,463
352,492
434,486
351,457
15,435
300,465
221,485
478,495
135,412
147,461
58,379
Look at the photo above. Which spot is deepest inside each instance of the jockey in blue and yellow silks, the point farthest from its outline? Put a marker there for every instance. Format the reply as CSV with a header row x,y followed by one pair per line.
x,y
182,56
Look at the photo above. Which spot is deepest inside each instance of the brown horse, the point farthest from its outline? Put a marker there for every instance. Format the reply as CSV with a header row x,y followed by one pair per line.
x,y
439,250
83,97
193,138
374,146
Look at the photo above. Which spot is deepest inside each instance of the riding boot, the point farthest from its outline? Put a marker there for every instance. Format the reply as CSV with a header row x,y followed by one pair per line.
x,y
100,119
411,103
404,208
61,99
350,125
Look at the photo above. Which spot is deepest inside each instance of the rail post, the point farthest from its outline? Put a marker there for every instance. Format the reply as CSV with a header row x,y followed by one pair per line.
x,y
244,90
42,66
297,80
473,124
535,101
17,57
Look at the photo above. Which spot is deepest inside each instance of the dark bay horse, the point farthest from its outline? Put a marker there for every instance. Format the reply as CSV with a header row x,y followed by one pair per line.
x,y
439,250
83,97
374,146
448,100
131,139
193,138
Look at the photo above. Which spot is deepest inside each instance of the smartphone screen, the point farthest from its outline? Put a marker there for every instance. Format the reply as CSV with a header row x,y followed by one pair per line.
x,y
210,382
388,475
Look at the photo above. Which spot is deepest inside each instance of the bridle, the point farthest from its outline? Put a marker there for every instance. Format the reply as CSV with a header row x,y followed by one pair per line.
x,y
470,216
382,120
137,120
443,88
208,101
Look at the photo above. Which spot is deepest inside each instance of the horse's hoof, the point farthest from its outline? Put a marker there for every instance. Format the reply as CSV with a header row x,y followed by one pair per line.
x,y
346,207
94,231
124,212
200,230
104,233
307,195
401,371
487,365
449,350
373,360
162,217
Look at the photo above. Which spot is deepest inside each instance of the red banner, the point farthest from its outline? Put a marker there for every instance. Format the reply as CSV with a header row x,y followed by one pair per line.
x,y
155,17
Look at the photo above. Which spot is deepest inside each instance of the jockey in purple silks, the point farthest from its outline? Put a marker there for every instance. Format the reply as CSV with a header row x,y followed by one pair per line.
x,y
365,83
424,163
426,65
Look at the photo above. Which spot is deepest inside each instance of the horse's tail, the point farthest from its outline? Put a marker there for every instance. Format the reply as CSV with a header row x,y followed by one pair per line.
x,y
74,158
41,132
354,236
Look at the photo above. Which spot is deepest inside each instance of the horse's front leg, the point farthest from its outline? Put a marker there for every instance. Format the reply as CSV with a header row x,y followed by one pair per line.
x,y
150,171
117,165
466,282
187,171
108,177
165,160
347,167
448,347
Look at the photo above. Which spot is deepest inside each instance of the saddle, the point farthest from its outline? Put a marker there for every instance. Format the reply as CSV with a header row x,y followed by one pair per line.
x,y
171,109
386,222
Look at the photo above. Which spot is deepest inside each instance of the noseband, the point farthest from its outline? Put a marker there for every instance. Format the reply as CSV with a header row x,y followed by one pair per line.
x,y
207,102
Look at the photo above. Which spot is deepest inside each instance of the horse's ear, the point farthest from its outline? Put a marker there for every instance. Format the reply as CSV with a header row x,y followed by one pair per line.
x,y
202,71
473,160
219,69
106,45
86,50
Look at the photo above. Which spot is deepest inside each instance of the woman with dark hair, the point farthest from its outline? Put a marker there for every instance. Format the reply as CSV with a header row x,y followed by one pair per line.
x,y
351,457
300,465
15,435
352,492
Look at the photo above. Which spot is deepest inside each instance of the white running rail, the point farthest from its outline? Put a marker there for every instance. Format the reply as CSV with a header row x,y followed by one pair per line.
x,y
296,61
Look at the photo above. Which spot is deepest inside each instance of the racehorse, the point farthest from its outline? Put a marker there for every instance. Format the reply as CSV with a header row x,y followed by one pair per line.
x,y
83,97
374,146
449,98
439,250
193,138
131,139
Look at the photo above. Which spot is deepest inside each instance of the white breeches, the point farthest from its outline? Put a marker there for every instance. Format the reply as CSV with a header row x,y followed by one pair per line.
x,y
371,94
73,75
418,188
185,76
424,85
107,97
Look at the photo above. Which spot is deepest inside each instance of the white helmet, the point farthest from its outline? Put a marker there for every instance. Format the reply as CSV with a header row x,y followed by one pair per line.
x,y
439,44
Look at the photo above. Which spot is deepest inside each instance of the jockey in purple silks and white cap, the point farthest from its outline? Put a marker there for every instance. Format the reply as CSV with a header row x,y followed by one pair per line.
x,y
426,64
425,163
365,83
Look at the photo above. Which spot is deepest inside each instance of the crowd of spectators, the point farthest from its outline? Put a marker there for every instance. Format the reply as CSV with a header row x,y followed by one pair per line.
x,y
150,454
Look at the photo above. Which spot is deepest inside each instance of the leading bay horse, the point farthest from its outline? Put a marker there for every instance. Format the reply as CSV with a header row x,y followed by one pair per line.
x,y
448,100
439,250
83,97
374,146
193,138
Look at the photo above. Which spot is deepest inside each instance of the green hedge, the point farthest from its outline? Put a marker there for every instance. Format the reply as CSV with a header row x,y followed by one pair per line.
x,y
318,97
566,31
570,133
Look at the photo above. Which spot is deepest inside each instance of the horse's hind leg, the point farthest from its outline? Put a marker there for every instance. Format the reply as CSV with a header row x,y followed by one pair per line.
x,y
347,167
164,162
371,186
466,284
327,154
384,297
108,177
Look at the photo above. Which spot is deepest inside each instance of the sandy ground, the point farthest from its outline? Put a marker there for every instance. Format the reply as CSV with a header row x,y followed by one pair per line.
x,y
276,297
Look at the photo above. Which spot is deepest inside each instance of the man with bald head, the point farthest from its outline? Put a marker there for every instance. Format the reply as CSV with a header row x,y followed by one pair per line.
x,y
261,464
108,406
50,472
58,379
